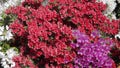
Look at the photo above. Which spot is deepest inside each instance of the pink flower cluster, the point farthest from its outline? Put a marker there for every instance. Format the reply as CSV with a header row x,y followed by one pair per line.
x,y
85,15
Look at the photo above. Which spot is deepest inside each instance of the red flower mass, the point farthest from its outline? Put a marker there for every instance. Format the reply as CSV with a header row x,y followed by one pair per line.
x,y
47,30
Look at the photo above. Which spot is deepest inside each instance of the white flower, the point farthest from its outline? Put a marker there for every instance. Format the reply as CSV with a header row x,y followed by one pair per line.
x,y
111,5
1,30
118,1
5,33
9,3
11,53
117,35
2,55
12,64
45,2
8,35
6,60
7,66
111,16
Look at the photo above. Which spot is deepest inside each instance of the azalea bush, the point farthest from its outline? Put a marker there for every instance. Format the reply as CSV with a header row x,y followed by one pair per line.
x,y
60,34
92,53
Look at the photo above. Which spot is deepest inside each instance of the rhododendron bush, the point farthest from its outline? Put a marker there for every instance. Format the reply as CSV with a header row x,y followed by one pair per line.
x,y
63,34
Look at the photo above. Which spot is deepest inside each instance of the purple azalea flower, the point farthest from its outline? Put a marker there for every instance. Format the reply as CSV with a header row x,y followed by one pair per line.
x,y
89,54
95,33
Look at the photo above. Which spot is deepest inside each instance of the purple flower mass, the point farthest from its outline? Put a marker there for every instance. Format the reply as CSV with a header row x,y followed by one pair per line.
x,y
91,54
80,37
95,33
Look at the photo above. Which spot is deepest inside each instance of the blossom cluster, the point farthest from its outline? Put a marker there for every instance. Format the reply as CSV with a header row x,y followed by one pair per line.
x,y
6,59
5,33
42,34
91,54
86,16
7,4
59,33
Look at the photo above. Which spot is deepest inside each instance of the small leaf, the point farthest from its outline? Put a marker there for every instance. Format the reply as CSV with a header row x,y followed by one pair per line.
x,y
5,47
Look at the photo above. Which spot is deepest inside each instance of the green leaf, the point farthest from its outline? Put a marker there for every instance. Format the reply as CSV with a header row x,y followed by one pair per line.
x,y
1,43
1,24
15,49
5,47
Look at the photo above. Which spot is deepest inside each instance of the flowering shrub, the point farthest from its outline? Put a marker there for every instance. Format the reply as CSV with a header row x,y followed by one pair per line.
x,y
43,34
86,16
6,57
94,54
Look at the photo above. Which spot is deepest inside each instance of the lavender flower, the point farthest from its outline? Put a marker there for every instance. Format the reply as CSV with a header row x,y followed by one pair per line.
x,y
95,33
91,55
80,38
